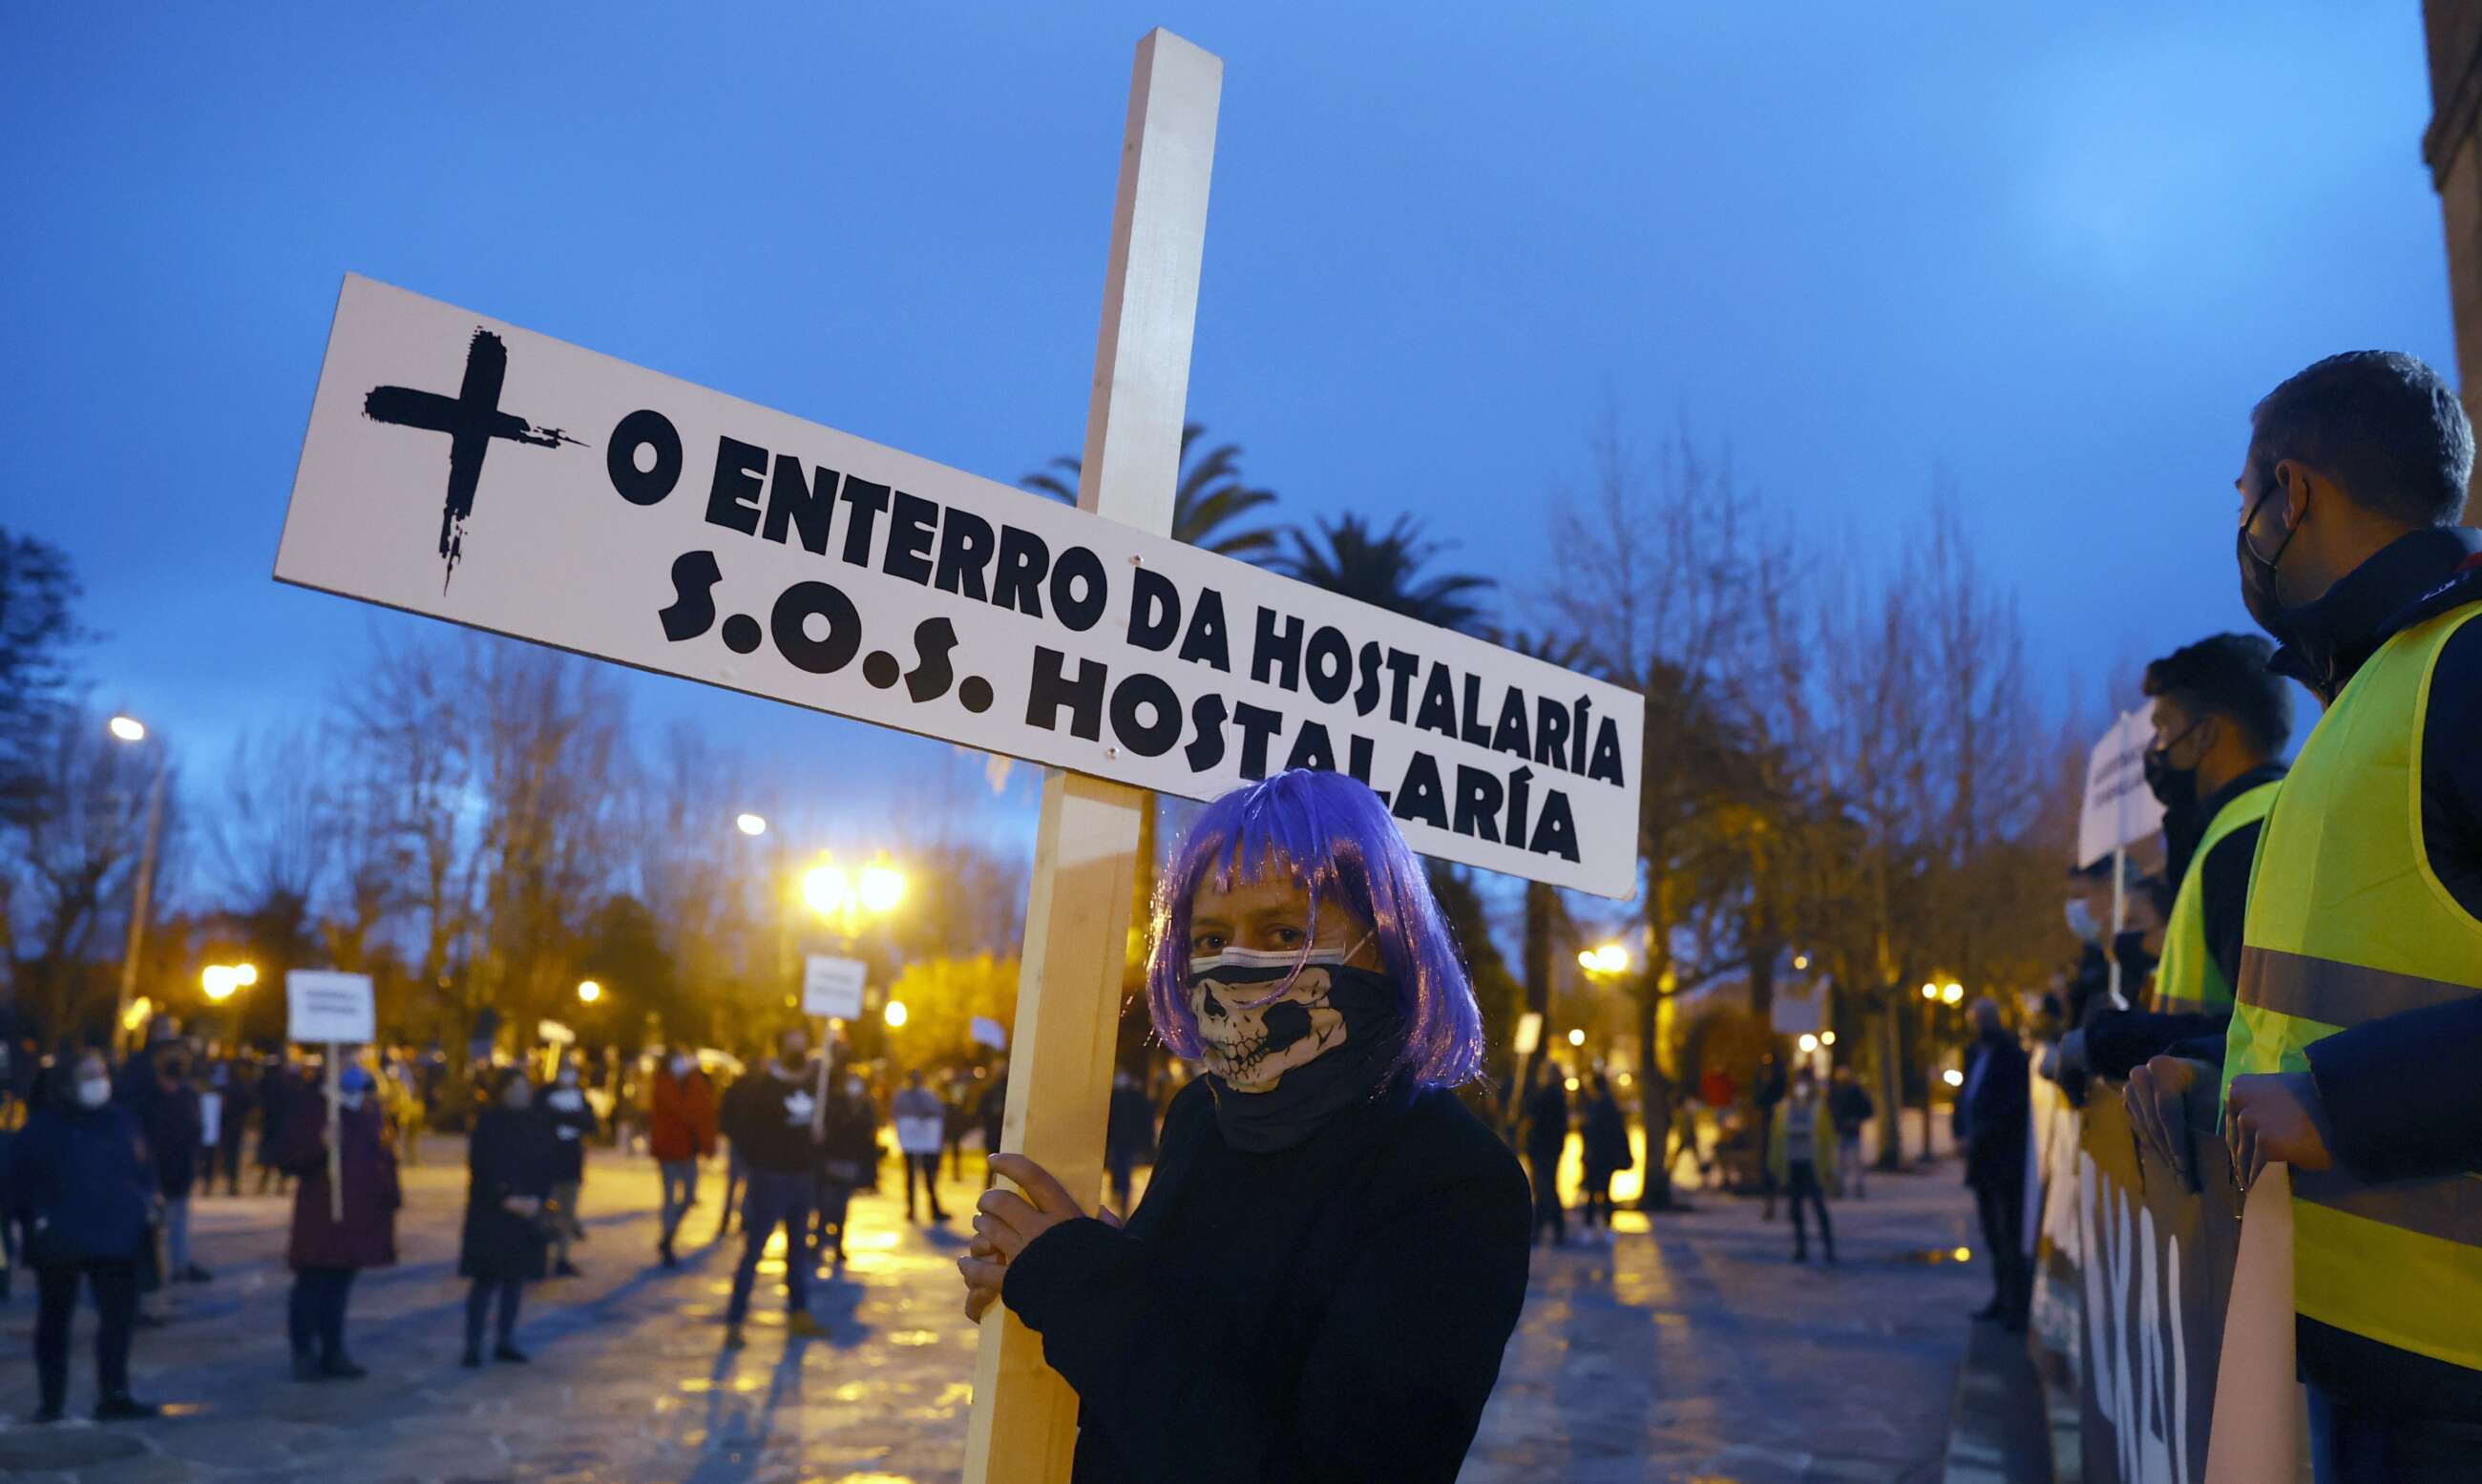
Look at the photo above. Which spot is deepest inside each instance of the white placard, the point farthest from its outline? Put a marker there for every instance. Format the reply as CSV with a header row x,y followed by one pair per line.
x,y
463,468
833,986
1529,1033
2120,809
323,1006
554,1033
989,1032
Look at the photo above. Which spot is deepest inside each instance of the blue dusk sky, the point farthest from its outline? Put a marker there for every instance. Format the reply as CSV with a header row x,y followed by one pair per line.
x,y
2054,251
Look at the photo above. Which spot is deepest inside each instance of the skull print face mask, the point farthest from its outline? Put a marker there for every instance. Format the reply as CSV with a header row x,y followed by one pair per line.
x,y
1291,1038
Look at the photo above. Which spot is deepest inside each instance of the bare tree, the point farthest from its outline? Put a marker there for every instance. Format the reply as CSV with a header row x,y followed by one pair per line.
x,y
82,830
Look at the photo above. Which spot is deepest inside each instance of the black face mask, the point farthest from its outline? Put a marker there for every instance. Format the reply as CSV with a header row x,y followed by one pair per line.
x,y
2257,573
1329,1043
2135,963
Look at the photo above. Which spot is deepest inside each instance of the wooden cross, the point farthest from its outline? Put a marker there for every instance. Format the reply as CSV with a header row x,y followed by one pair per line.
x,y
1024,1424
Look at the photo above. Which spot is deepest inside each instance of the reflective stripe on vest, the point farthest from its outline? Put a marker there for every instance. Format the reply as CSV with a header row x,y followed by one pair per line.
x,y
2188,982
2347,923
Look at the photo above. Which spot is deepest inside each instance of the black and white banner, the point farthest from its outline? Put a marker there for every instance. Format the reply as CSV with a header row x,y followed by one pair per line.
x,y
479,473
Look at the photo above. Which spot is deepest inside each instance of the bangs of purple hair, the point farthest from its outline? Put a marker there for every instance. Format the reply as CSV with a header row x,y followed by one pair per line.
x,y
1330,833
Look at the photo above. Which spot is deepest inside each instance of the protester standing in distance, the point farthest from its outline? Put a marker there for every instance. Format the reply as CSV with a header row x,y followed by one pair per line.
x,y
241,1076
513,1162
175,1127
1602,1136
1766,1090
1800,1159
1850,1107
80,1188
325,1252
993,1111
1547,1139
747,1084
280,1086
918,1117
681,1132
776,1131
848,1150
2358,1011
1993,1114
1328,1263
957,1115
1128,1134
564,1110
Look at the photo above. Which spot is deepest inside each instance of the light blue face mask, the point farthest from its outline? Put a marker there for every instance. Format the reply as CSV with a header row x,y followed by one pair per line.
x,y
2081,921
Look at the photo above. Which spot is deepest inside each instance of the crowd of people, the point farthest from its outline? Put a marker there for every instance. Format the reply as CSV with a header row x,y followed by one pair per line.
x,y
99,1165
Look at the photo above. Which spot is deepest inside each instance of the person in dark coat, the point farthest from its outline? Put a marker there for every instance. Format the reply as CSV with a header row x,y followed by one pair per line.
x,y
279,1084
1332,1255
566,1112
80,1187
174,1127
513,1162
849,1152
1128,1134
1993,1114
236,1078
324,1253
1547,1139
991,1112
1604,1133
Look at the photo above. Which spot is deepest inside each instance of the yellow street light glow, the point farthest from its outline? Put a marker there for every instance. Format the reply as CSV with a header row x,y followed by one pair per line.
x,y
1573,1085
1801,960
1625,1079
883,887
895,1014
245,974
588,991
1577,1038
825,889
750,823
1953,1078
1952,991
219,981
1930,992
1965,1254
1590,959
136,1015
1808,1043
127,728
1827,1038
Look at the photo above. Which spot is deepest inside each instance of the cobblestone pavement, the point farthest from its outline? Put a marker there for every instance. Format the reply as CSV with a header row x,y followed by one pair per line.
x,y
1694,1353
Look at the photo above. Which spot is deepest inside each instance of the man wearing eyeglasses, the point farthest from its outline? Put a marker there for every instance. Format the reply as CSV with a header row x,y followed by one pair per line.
x,y
2356,1032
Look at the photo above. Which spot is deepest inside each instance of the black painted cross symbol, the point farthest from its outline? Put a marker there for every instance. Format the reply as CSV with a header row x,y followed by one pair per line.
x,y
471,419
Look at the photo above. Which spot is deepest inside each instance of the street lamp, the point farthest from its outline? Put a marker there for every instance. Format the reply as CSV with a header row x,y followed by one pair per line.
x,y
588,991
750,823
883,887
131,730
1952,991
220,981
1953,1078
1808,1043
895,1014
1576,1037
1610,958
1930,992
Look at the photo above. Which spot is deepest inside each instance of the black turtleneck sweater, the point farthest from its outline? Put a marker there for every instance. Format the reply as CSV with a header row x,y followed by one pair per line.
x,y
1335,1311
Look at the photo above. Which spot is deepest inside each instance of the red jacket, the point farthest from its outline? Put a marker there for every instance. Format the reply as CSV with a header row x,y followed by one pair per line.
x,y
680,1117
367,1236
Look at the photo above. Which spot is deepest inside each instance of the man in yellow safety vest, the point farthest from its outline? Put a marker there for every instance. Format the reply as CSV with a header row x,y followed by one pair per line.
x,y
2356,1032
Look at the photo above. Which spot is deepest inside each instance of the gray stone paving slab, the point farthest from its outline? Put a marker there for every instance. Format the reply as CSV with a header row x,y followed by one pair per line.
x,y
1691,1351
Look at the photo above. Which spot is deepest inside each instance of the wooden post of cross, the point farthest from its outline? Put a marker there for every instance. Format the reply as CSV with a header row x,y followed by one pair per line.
x,y
1025,1423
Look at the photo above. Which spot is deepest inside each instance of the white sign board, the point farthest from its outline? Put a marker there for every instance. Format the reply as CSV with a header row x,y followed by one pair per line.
x,y
554,1033
989,1032
323,1006
1529,1033
467,469
2120,809
833,986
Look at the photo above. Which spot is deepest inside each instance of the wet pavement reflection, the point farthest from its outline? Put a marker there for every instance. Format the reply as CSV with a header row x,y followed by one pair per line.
x,y
1695,1351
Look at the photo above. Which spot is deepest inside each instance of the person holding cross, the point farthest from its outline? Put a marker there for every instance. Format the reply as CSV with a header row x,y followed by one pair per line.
x,y
1323,1274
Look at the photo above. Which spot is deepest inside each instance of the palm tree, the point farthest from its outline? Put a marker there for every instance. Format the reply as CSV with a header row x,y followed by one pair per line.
x,y
1351,558
1209,497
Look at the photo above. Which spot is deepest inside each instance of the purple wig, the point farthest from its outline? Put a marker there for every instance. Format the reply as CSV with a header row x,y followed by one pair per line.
x,y
1332,834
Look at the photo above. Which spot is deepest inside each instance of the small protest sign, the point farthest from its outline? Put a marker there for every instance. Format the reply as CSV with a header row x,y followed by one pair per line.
x,y
2120,810
323,1006
831,987
989,1032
